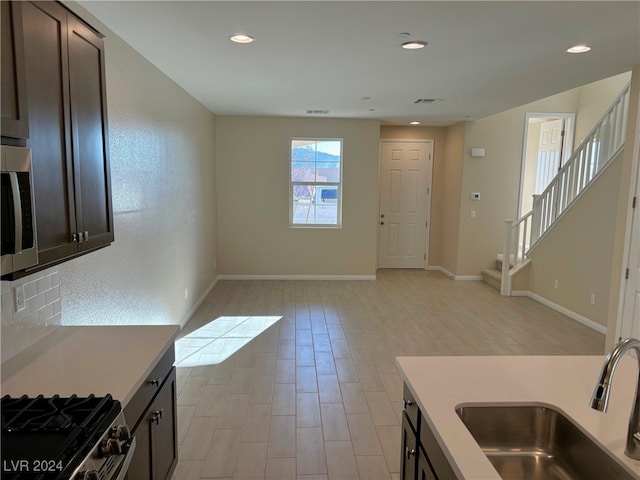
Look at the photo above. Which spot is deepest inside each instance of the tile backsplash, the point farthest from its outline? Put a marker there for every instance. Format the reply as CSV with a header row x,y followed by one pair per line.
x,y
40,317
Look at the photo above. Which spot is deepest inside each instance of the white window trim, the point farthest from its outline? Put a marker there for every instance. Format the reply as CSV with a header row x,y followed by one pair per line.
x,y
340,186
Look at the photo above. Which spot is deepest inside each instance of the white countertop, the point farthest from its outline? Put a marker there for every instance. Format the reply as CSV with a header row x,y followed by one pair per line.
x,y
440,384
88,360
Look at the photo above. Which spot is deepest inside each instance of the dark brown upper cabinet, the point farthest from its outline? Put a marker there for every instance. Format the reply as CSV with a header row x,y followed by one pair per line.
x,y
14,123
66,101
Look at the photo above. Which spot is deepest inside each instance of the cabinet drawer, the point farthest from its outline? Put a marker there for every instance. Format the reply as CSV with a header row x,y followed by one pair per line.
x,y
434,453
411,408
150,387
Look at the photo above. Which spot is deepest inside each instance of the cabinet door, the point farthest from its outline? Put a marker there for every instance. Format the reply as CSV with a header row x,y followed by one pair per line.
x,y
408,462
87,93
14,122
140,466
164,443
424,469
156,435
45,43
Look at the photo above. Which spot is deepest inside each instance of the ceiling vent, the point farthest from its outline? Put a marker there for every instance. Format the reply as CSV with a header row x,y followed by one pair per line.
x,y
317,112
428,100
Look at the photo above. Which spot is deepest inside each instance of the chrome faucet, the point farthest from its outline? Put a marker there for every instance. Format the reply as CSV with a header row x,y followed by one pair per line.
x,y
600,397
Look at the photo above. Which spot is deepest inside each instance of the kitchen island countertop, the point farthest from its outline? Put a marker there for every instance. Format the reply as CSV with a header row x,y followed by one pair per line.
x,y
88,360
440,384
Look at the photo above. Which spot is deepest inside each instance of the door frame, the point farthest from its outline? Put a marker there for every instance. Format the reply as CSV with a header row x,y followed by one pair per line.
x,y
567,147
429,187
624,318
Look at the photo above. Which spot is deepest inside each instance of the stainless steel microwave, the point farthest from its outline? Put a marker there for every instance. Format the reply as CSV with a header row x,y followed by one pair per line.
x,y
19,249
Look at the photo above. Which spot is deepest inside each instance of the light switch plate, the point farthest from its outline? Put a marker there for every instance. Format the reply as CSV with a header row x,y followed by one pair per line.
x,y
18,296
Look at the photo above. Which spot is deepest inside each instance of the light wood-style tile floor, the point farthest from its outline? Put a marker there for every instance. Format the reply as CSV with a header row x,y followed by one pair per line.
x,y
317,395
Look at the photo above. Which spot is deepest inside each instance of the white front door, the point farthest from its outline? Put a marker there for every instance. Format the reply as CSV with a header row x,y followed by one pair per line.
x,y
549,152
405,203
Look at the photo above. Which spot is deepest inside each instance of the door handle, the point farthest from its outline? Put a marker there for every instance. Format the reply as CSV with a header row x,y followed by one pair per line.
x,y
17,211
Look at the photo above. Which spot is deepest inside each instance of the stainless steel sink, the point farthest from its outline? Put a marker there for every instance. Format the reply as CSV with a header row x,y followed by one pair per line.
x,y
538,442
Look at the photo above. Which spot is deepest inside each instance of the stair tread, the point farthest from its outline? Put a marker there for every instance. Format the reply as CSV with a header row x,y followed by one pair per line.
x,y
493,273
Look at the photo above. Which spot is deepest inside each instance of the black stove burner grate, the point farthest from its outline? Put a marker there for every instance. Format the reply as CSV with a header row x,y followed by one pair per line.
x,y
50,414
58,431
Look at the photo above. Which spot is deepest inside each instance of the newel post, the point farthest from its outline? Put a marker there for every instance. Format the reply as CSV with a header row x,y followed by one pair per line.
x,y
505,287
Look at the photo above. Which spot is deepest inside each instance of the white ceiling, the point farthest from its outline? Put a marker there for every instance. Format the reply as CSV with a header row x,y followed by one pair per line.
x,y
481,58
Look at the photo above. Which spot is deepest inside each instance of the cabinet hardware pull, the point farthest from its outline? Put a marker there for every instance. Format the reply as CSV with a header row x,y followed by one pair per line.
x,y
406,403
157,416
410,452
155,382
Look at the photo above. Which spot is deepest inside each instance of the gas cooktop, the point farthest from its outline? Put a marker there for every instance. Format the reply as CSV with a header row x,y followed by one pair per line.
x,y
50,438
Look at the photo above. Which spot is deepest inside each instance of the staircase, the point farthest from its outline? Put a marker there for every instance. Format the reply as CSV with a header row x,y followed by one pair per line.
x,y
602,145
493,276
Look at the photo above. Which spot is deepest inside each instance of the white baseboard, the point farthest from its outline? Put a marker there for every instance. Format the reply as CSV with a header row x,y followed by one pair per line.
x,y
520,293
441,269
196,305
571,314
297,277
453,276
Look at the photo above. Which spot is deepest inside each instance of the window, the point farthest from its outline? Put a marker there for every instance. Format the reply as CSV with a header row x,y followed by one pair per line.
x,y
315,189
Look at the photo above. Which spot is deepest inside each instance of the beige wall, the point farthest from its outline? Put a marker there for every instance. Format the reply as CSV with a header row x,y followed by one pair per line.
x,y
439,136
578,251
452,183
593,101
162,168
254,237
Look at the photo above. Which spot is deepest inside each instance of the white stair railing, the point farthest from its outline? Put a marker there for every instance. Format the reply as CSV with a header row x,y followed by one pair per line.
x,y
603,143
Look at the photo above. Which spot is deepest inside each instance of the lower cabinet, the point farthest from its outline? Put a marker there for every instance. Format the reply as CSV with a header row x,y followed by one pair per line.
x,y
408,463
422,456
152,411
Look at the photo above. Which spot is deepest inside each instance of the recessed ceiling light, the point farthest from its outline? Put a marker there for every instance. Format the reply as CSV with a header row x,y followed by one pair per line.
x,y
579,49
414,45
415,123
242,38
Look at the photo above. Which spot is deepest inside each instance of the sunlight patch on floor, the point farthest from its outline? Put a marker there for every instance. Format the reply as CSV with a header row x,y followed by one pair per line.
x,y
216,341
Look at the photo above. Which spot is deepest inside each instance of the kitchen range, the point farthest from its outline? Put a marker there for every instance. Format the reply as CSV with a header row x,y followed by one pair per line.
x,y
58,438
75,411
